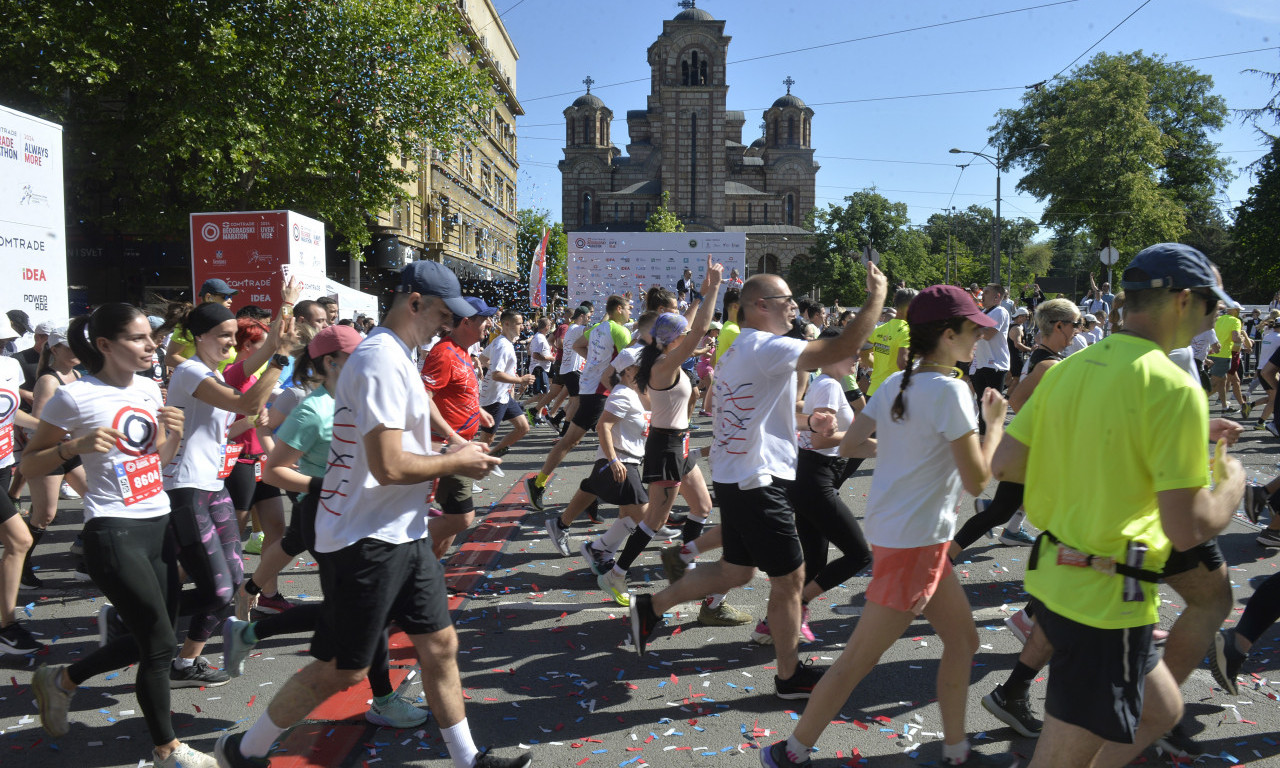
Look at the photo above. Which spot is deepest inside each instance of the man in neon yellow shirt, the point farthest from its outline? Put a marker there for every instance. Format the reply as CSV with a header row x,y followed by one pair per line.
x,y
889,341
730,330
1225,362
1111,519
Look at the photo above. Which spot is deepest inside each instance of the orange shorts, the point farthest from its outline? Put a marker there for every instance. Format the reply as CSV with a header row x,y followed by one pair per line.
x,y
905,579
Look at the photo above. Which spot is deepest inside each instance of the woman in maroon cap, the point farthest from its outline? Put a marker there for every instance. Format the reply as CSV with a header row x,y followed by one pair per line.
x,y
928,450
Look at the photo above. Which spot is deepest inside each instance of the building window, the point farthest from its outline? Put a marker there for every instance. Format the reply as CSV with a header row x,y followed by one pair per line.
x,y
769,263
789,210
693,162
694,69
586,209
395,215
733,217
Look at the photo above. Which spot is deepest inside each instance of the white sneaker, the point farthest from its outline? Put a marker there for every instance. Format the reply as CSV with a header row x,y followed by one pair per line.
x,y
496,471
185,757
1020,625
559,536
397,713
65,492
616,585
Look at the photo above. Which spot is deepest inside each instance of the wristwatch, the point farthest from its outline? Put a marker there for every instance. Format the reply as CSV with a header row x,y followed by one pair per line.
x,y
279,361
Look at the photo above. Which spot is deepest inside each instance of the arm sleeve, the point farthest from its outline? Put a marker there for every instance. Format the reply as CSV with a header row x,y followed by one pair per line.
x,y
823,393
300,429
187,377
1178,425
781,353
617,403
435,369
383,396
621,337
61,411
954,414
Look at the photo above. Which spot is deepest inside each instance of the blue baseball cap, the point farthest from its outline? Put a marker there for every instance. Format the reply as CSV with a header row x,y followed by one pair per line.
x,y
431,278
482,309
218,286
1172,266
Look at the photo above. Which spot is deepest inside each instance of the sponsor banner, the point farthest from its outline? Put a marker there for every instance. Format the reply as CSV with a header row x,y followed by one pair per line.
x,y
254,251
604,263
33,240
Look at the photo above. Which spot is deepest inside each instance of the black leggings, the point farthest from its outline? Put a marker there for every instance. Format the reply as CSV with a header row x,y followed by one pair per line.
x,y
303,618
207,544
984,379
822,517
1006,501
1262,610
133,564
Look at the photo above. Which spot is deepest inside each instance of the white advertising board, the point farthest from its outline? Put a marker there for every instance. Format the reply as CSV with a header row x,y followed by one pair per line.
x,y
604,263
33,235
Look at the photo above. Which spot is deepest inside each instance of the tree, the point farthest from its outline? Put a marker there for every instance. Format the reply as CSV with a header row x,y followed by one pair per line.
x,y
170,106
533,222
1254,274
1129,160
664,219
970,232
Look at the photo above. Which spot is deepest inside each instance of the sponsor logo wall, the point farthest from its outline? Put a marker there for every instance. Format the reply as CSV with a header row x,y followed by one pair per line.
x,y
603,263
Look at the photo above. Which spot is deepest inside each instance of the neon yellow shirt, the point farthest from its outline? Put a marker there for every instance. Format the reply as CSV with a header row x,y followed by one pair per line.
x,y
1125,394
886,340
728,333
1223,327
187,347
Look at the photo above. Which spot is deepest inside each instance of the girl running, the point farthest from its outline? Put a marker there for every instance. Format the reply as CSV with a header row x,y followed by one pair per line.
x,y
928,449
118,422
14,532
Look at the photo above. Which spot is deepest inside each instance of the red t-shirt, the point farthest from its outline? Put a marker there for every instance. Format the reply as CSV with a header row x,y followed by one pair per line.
x,y
234,376
448,376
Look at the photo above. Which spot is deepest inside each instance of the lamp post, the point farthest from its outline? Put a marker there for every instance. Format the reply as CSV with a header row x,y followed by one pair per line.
x,y
951,230
997,162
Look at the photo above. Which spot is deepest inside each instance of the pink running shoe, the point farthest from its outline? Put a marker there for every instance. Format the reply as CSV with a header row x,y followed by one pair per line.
x,y
805,631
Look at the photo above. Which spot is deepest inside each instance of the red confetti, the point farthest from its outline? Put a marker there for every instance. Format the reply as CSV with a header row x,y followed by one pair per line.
x,y
252,699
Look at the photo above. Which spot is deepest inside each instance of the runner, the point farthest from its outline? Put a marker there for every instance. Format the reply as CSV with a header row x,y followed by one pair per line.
x,y
496,395
375,558
889,342
1018,341
753,455
1106,541
728,332
598,347
181,345
540,359
571,365
15,535
928,451
118,422
991,358
1225,373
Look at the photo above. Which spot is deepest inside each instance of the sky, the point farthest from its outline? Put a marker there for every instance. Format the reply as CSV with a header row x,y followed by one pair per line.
x,y
878,121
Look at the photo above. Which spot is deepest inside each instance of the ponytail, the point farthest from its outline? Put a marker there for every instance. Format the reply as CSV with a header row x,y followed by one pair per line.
x,y
107,322
924,340
648,356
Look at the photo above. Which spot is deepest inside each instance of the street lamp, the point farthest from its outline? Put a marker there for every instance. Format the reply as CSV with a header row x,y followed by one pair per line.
x,y
997,162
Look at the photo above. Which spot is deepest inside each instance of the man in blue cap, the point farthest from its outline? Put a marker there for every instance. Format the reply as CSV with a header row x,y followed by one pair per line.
x,y
372,543
1144,512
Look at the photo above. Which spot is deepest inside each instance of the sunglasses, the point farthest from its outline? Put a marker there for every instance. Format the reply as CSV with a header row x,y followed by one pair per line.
x,y
785,297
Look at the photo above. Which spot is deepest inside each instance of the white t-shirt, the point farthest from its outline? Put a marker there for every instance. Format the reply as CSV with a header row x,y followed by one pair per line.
x,y
1267,348
1201,343
1077,343
1098,308
754,423
993,352
916,485
1185,360
10,382
379,386
826,392
601,350
633,425
502,357
86,404
202,454
571,361
538,344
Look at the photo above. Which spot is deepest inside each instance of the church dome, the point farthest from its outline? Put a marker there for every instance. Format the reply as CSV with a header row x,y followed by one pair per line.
x,y
757,144
789,100
588,100
694,14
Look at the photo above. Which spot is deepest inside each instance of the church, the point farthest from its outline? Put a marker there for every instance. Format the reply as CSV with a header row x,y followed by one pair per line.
x,y
687,144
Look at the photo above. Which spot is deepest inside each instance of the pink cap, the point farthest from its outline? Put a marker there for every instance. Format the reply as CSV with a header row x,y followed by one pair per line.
x,y
335,338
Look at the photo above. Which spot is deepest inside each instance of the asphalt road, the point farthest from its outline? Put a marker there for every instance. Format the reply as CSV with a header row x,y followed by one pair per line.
x,y
542,664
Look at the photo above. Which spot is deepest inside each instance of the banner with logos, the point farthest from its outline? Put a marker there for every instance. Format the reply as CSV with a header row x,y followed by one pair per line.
x,y
604,263
256,251
33,235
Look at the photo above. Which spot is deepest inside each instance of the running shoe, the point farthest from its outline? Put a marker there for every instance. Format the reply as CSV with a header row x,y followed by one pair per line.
x,y
397,713
1268,537
1271,427
16,640
1020,625
805,631
535,493
1018,538
200,674
77,546
559,536
616,585
723,615
1255,501
1228,408
599,562
777,756
593,511
496,471
227,752
643,622
30,581
273,604
52,700
254,545
673,567
487,760
110,625
235,648
500,452
531,416
1179,743
760,634
800,685
1225,661
67,494
667,532
980,760
1261,424
81,573
184,757
1015,713
1245,409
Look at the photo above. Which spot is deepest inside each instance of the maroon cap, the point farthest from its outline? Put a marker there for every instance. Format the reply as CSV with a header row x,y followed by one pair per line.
x,y
334,338
943,302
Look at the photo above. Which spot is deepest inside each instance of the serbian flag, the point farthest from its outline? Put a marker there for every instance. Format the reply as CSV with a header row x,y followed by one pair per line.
x,y
538,274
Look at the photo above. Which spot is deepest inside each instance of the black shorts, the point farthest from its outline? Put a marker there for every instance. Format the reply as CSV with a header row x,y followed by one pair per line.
x,y
1096,676
759,527
369,584
453,494
245,490
590,407
300,536
555,374
600,483
541,382
1209,554
67,466
570,381
666,455
501,412
7,508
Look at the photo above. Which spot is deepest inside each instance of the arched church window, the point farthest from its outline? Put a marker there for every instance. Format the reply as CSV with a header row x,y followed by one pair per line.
x,y
586,208
790,210
702,73
791,131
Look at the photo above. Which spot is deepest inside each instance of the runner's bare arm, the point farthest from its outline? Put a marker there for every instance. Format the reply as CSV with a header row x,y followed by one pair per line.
x,y
826,351
1010,462
390,464
857,442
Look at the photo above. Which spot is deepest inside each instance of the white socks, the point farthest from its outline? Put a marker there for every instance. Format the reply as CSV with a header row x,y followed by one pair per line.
x,y
1015,522
462,750
689,552
611,539
257,742
181,663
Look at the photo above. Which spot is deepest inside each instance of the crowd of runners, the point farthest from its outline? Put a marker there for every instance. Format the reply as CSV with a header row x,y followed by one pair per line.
x,y
188,432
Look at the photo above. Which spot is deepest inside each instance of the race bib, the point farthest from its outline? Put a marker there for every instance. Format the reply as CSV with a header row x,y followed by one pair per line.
x,y
229,455
686,445
6,440
257,471
139,478
582,364
646,423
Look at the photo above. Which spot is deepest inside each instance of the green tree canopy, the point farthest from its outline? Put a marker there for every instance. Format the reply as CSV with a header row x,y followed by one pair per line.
x,y
1254,274
171,106
533,222
664,219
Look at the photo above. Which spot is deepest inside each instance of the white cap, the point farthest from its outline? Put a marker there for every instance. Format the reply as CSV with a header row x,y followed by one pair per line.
x,y
58,336
627,358
1090,319
46,327
1021,311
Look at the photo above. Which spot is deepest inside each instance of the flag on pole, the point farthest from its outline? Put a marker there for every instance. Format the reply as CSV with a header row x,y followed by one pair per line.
x,y
538,274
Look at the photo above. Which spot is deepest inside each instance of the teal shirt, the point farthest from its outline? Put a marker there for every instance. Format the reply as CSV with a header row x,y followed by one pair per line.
x,y
310,429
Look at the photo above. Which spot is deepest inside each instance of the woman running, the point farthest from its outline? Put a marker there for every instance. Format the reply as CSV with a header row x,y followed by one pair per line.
x,y
118,422
203,520
15,535
928,450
